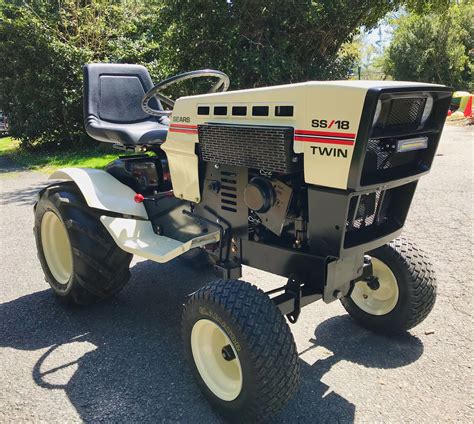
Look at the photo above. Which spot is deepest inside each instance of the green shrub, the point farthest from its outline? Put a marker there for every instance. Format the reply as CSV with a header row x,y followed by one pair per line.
x,y
435,48
44,44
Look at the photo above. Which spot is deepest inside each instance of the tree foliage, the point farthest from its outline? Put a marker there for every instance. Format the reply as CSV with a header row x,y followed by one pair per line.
x,y
434,47
44,44
261,42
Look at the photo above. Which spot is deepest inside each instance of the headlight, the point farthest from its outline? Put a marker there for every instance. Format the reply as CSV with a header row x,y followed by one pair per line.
x,y
428,109
378,109
410,144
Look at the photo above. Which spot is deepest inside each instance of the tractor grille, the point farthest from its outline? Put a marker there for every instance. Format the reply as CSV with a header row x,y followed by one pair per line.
x,y
367,217
376,214
400,119
383,163
405,111
259,147
364,211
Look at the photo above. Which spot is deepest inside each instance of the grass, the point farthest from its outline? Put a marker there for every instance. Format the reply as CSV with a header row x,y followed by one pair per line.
x,y
8,145
48,161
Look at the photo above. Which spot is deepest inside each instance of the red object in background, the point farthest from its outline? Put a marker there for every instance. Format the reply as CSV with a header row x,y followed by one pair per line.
x,y
450,112
138,198
468,108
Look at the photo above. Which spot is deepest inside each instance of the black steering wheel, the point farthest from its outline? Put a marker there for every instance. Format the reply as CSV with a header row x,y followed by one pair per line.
x,y
222,85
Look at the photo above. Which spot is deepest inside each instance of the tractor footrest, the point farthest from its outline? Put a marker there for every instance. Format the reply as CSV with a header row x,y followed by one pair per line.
x,y
137,237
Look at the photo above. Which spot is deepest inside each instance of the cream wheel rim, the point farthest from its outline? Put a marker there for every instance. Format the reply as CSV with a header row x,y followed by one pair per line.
x,y
56,247
382,300
216,359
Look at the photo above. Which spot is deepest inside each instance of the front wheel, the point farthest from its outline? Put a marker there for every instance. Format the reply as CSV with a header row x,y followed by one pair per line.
x,y
241,350
401,295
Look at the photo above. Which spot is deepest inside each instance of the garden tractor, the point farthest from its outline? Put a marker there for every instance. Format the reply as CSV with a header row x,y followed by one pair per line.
x,y
309,181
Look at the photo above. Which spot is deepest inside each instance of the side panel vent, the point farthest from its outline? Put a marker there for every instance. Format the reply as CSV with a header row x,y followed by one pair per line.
x,y
365,210
228,191
376,214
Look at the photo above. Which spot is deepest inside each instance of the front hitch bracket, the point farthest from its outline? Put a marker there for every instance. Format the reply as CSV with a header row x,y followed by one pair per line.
x,y
295,295
293,288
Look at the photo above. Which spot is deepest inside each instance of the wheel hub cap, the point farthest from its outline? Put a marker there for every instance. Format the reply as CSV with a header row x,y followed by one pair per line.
x,y
228,353
216,359
56,247
377,300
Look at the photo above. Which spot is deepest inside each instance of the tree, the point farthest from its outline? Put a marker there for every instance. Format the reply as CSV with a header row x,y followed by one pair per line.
x,y
44,44
264,42
434,48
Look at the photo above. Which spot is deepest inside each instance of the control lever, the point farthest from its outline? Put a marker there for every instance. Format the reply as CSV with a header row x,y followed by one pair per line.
x,y
140,198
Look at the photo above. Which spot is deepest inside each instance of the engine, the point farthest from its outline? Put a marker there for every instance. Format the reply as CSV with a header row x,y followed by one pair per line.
x,y
261,180
276,208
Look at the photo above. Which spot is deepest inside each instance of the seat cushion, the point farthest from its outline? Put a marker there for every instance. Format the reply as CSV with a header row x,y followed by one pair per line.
x,y
120,99
112,105
139,133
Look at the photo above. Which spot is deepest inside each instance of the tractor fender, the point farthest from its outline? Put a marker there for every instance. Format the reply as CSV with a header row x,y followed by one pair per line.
x,y
102,191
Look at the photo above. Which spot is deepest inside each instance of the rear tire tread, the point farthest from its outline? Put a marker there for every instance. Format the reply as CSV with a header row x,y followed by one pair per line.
x,y
101,268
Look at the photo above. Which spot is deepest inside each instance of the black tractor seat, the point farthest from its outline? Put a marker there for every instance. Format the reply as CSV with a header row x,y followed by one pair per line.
x,y
112,105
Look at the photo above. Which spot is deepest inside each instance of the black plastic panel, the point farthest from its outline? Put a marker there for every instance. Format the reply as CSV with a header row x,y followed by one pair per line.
x,y
375,158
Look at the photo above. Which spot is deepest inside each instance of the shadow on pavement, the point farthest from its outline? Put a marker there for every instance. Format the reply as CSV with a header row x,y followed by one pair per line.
x,y
27,196
134,369
345,341
7,165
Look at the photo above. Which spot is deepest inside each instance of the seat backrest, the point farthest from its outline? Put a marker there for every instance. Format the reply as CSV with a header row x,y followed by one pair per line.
x,y
113,92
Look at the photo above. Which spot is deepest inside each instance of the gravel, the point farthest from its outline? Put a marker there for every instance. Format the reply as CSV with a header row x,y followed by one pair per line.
x,y
121,361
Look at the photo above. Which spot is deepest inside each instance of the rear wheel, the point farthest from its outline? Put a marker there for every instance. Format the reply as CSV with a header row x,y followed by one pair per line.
x,y
401,295
241,350
80,260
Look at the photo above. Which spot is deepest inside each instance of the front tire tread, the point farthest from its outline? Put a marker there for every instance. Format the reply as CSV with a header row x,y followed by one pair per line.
x,y
267,338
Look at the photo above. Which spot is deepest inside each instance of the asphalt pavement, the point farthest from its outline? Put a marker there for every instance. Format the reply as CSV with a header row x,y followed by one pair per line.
x,y
121,360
